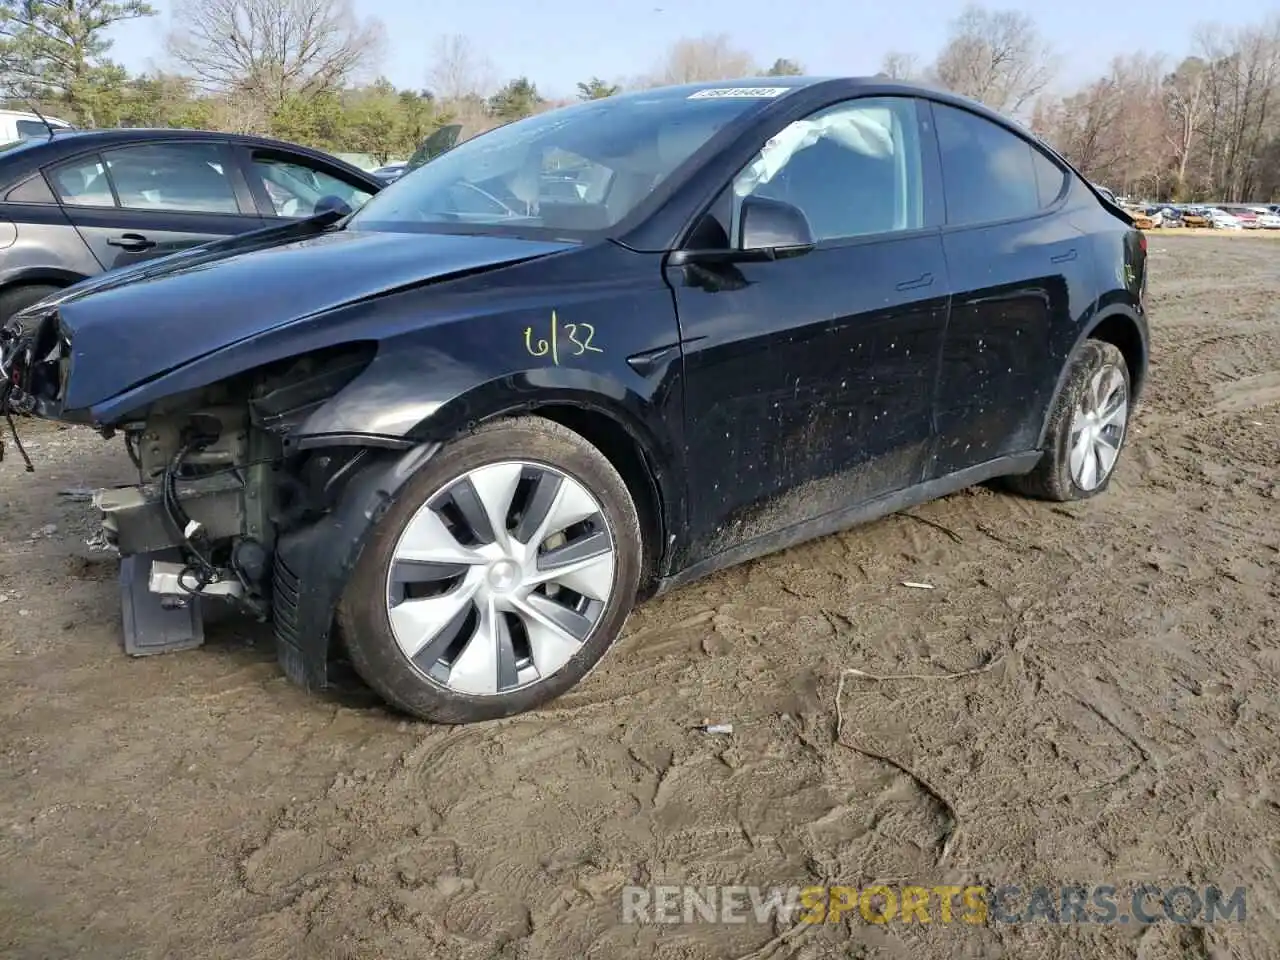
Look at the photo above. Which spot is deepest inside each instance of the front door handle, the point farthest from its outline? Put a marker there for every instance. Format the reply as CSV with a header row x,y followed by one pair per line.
x,y
925,280
133,242
1064,257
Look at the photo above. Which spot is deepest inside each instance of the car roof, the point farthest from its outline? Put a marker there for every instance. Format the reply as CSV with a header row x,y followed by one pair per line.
x,y
842,85
84,139
21,159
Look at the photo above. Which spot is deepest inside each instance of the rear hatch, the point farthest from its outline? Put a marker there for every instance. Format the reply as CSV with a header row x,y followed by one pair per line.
x,y
442,141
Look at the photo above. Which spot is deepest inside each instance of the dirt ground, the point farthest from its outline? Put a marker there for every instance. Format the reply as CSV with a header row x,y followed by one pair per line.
x,y
196,805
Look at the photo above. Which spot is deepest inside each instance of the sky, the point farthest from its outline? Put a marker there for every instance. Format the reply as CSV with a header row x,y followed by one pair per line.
x,y
558,45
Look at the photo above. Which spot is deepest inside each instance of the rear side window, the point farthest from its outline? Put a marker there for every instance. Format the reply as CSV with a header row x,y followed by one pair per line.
x,y
82,183
988,172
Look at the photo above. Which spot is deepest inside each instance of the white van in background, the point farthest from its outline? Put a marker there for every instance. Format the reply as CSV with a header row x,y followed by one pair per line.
x,y
20,124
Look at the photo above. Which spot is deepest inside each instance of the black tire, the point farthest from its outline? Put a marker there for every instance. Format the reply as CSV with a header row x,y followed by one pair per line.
x,y
18,298
1051,479
362,612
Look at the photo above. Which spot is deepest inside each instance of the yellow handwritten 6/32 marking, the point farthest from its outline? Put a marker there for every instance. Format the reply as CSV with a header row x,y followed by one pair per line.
x,y
579,336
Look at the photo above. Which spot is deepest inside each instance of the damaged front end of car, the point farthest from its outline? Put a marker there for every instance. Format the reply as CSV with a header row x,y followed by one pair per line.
x,y
230,499
271,417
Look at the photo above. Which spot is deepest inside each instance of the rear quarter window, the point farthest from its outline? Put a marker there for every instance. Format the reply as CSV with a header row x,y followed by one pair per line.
x,y
31,128
32,190
1051,179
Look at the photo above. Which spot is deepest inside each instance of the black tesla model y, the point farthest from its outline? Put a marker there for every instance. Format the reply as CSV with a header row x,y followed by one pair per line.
x,y
451,438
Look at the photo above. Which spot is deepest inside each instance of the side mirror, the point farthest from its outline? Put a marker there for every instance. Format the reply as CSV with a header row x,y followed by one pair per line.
x,y
332,204
774,225
768,230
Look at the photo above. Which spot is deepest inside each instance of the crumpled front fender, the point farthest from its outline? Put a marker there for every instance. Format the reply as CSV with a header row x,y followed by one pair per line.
x,y
312,565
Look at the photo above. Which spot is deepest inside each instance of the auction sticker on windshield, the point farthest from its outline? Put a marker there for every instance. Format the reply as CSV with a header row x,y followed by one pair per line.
x,y
722,93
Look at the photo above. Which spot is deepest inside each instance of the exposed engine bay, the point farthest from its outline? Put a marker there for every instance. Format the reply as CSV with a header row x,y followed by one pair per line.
x,y
219,479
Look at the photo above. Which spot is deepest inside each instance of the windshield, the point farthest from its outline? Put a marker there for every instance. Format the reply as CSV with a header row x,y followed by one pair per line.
x,y
573,171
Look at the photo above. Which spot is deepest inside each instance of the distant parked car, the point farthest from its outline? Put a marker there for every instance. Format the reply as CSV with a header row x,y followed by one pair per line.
x,y
21,125
1222,220
1248,217
1143,220
391,172
1255,216
1269,221
1195,217
77,204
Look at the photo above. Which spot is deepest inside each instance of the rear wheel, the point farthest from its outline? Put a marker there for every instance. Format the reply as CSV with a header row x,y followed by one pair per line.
x,y
19,298
501,575
1087,428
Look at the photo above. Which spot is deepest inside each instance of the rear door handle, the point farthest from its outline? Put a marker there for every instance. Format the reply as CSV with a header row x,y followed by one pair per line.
x,y
131,241
1064,257
925,280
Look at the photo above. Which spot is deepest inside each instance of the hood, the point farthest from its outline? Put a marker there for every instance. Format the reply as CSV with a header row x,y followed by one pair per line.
x,y
130,326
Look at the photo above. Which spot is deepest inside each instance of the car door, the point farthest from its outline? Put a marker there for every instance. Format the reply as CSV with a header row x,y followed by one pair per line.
x,y
809,379
146,200
41,243
290,186
1019,271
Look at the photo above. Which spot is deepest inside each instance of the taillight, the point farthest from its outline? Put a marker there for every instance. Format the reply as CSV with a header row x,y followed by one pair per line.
x,y
1142,241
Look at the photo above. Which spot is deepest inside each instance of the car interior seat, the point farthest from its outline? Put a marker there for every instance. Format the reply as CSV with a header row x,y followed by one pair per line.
x,y
634,177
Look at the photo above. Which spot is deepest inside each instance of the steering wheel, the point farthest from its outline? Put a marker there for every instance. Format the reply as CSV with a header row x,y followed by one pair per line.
x,y
489,196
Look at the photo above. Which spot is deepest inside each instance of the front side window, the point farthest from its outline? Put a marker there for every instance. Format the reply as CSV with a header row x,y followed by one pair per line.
x,y
575,170
172,176
990,173
296,189
853,169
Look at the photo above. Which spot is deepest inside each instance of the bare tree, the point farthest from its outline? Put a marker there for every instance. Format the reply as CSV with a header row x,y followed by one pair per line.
x,y
274,49
240,112
996,57
459,71
1184,108
785,67
897,65
1113,129
710,57
462,79
1243,100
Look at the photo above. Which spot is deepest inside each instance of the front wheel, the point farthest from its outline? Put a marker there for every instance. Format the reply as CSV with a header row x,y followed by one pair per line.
x,y
500,576
1087,428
